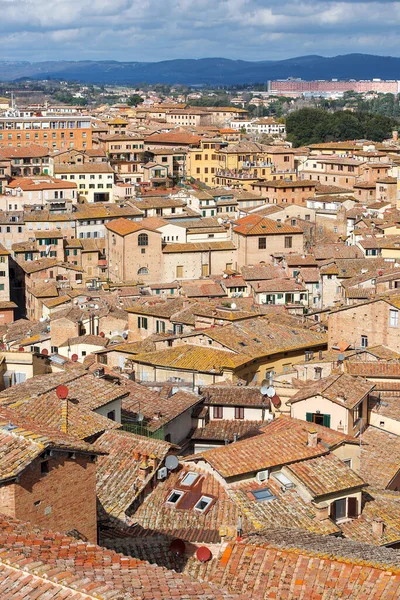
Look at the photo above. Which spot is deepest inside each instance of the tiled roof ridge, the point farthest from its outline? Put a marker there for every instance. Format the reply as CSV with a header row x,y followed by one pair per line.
x,y
297,548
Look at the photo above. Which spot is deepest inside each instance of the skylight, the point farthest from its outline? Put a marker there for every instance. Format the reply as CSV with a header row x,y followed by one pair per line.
x,y
263,495
189,479
203,503
174,497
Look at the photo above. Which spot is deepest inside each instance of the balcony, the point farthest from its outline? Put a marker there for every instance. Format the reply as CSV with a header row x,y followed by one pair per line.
x,y
256,165
235,174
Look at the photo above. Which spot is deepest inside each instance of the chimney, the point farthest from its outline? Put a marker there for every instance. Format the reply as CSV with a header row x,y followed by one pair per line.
x,y
378,526
64,415
136,456
153,461
395,135
143,469
312,438
321,511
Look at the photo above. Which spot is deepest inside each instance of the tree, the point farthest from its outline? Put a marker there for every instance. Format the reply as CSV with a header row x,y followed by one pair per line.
x,y
134,100
315,125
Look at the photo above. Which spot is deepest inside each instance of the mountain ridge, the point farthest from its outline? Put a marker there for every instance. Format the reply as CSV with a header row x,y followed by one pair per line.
x,y
206,71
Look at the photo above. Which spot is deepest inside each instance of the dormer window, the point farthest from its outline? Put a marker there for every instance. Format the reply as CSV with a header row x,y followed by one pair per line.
x,y
174,497
189,479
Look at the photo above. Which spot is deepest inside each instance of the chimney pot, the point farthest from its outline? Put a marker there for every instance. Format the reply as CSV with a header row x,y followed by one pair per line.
x,y
321,511
312,438
378,526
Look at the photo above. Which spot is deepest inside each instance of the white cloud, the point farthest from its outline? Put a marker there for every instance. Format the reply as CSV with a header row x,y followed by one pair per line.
x,y
156,30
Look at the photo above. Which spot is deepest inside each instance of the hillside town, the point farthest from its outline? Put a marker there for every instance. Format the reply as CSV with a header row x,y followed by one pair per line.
x,y
199,356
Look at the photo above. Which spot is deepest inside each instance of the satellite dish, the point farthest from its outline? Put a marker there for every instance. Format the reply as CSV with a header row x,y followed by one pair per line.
x,y
233,306
62,392
45,352
140,417
171,462
270,391
341,357
102,334
225,275
264,386
74,357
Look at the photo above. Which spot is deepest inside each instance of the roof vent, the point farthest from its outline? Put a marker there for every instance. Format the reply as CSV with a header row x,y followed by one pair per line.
x,y
9,426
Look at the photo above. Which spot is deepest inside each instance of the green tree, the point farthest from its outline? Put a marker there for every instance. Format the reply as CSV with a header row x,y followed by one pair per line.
x,y
134,100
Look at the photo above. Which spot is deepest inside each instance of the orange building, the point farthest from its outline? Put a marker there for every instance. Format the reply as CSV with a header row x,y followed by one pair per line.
x,y
53,132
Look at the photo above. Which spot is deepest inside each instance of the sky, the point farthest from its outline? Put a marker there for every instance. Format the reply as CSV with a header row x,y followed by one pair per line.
x,y
152,30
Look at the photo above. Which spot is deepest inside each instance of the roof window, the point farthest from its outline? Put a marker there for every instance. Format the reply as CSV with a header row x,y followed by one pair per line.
x,y
203,504
174,497
263,495
189,479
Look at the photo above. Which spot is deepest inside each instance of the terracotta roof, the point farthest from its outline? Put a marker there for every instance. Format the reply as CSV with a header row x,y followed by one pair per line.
x,y
261,272
125,227
44,182
84,388
31,151
90,340
190,357
277,285
59,566
48,410
157,409
271,449
373,369
222,429
173,138
262,336
234,395
285,564
198,247
325,475
154,515
255,225
379,448
202,289
341,389
376,505
118,470
157,308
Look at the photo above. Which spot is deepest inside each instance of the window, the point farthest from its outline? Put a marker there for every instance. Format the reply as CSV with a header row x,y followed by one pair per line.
x,y
288,242
357,413
239,412
262,243
160,326
142,323
143,239
203,504
319,419
174,497
189,479
338,509
111,415
347,462
364,341
143,271
218,412
393,318
263,495
179,272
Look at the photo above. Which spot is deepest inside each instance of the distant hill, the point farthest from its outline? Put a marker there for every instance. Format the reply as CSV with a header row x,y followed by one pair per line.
x,y
213,71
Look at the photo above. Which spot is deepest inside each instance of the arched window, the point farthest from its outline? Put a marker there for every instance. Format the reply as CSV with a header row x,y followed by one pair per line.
x,y
143,271
143,239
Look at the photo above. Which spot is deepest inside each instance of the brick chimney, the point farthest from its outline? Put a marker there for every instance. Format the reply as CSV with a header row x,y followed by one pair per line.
x,y
321,511
312,438
378,526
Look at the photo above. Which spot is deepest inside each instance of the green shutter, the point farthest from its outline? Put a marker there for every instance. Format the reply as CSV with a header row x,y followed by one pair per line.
x,y
138,322
327,420
309,417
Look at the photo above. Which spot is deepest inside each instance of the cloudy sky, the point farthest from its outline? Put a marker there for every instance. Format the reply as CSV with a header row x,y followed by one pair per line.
x,y
154,30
